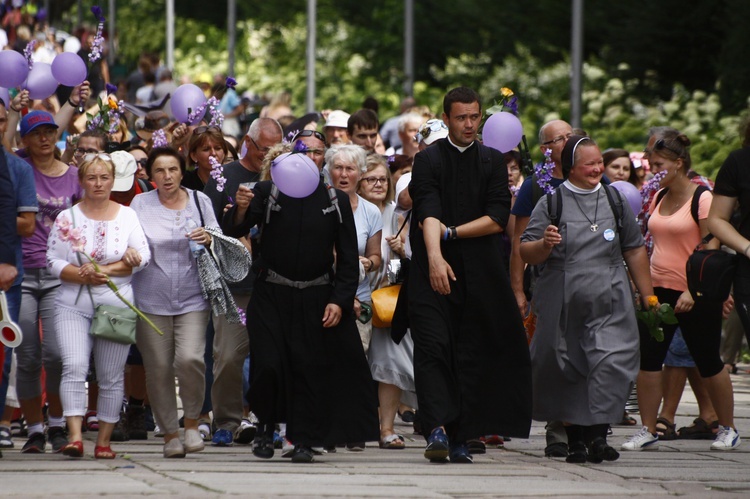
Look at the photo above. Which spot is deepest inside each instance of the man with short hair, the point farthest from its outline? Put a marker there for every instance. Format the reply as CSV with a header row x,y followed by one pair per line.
x,y
389,130
336,128
230,344
363,129
408,128
471,360
314,145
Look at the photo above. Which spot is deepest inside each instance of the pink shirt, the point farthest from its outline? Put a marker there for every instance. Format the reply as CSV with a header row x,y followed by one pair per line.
x,y
675,237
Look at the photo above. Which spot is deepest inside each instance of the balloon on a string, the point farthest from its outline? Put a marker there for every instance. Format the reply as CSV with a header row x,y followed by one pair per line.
x,y
295,174
14,68
631,194
69,69
502,131
185,100
40,83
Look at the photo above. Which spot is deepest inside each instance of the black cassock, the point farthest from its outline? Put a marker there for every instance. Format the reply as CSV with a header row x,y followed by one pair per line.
x,y
315,379
471,359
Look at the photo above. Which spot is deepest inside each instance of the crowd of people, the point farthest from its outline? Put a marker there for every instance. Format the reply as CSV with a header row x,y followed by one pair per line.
x,y
258,301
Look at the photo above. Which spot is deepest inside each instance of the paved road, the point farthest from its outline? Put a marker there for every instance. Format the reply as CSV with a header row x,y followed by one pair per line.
x,y
684,468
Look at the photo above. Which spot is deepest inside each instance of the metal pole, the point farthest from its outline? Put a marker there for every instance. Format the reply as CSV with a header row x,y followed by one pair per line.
x,y
311,34
231,34
409,47
112,27
576,61
80,14
170,34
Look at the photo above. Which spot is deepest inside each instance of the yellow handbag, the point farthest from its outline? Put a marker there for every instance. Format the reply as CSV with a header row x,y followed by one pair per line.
x,y
384,304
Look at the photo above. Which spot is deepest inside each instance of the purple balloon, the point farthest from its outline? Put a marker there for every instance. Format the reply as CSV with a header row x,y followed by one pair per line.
x,y
69,69
5,95
295,174
40,83
14,68
631,193
185,100
502,131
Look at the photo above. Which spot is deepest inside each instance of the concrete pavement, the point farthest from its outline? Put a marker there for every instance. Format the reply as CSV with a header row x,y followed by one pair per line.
x,y
682,467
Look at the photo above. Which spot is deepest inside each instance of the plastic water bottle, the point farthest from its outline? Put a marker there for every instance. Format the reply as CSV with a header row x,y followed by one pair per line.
x,y
195,247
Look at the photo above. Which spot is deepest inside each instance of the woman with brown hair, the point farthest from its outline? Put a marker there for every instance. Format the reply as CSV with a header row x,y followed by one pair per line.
x,y
205,142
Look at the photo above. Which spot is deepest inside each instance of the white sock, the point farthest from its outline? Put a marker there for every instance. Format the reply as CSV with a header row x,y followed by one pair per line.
x,y
55,421
36,428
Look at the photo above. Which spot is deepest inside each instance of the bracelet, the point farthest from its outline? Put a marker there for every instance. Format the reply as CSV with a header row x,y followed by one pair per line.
x,y
72,103
454,233
747,248
446,234
13,108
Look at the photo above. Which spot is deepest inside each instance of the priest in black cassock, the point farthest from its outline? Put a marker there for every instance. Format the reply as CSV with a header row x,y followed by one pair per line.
x,y
308,368
471,359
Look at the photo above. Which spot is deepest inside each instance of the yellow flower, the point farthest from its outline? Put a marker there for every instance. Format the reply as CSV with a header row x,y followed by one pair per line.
x,y
506,92
112,102
652,301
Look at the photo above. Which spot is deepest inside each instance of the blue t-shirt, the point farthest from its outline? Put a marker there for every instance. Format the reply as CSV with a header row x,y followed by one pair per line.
x,y
524,204
22,177
369,221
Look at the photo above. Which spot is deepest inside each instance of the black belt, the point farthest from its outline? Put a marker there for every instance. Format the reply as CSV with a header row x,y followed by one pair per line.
x,y
274,278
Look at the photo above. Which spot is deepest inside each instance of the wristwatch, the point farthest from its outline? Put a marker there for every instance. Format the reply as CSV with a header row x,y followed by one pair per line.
x,y
454,232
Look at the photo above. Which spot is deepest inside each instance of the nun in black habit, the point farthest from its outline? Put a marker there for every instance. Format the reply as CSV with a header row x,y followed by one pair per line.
x,y
308,368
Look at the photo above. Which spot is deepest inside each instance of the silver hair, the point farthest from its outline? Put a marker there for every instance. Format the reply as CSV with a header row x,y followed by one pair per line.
x,y
349,152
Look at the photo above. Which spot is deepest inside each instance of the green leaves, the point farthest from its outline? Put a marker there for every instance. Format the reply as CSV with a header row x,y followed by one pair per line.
x,y
654,317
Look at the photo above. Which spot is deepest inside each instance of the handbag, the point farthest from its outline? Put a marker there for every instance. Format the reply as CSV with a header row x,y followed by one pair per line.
x,y
384,299
113,323
384,304
710,273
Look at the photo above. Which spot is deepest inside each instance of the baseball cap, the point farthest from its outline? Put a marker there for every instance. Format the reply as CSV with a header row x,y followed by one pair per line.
x,y
34,120
338,119
403,183
125,168
432,130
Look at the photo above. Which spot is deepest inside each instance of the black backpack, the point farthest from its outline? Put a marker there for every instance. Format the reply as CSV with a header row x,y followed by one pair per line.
x,y
693,206
555,208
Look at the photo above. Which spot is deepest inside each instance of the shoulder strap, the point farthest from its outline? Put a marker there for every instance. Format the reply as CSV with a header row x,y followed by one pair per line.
x,y
660,195
554,207
536,191
272,204
697,201
333,197
406,219
617,208
200,211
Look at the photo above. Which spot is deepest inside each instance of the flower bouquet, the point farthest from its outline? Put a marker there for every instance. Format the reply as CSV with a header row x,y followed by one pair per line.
x,y
74,235
655,315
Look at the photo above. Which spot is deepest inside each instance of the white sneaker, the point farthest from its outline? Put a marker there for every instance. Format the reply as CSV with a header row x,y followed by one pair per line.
x,y
157,431
643,440
193,441
726,439
287,448
174,448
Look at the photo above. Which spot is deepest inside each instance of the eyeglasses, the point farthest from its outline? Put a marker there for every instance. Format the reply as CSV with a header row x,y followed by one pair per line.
x,y
203,129
264,150
142,162
375,180
98,155
309,133
662,144
80,151
557,140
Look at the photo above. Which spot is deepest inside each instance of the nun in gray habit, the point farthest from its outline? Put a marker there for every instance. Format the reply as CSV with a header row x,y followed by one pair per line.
x,y
584,353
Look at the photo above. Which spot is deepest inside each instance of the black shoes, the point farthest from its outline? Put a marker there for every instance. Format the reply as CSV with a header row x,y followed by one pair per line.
x,y
556,449
35,444
577,453
120,433
302,454
600,451
263,444
136,422
57,438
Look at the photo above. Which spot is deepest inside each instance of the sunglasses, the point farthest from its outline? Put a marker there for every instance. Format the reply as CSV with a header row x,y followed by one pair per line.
x,y
309,133
203,129
430,127
142,162
100,155
662,144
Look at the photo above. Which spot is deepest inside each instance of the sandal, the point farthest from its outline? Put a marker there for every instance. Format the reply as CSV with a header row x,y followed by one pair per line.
x,y
392,441
627,420
73,449
104,452
699,430
665,429
91,421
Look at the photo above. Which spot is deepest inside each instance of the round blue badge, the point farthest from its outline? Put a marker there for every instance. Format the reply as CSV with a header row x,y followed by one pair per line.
x,y
609,234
